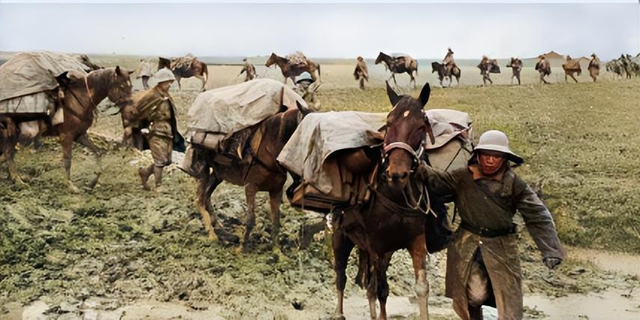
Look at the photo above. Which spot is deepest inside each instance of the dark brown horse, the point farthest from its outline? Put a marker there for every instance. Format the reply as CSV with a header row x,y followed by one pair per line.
x,y
397,215
516,67
262,173
81,96
442,72
399,64
196,69
292,70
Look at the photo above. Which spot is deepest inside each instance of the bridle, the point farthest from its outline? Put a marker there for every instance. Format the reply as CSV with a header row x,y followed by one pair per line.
x,y
416,155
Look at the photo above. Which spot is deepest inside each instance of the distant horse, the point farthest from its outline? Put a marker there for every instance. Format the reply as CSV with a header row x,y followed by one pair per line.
x,y
263,173
516,67
185,67
396,216
570,67
442,72
399,63
291,69
488,66
81,97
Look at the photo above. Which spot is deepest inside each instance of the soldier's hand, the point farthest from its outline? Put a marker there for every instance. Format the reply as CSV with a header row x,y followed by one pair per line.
x,y
551,263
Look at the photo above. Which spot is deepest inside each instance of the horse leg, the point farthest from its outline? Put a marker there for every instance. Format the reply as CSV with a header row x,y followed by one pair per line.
x,y
418,252
178,78
275,198
382,285
574,78
9,136
145,82
85,141
250,191
207,183
342,247
67,143
518,77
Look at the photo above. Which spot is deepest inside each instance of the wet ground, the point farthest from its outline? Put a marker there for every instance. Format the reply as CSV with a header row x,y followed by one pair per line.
x,y
119,252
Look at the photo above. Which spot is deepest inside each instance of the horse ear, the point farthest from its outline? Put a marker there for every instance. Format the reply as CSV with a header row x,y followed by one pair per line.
x,y
393,96
302,109
118,70
62,78
424,94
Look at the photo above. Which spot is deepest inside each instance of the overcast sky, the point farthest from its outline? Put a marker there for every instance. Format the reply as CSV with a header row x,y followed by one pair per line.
x,y
323,30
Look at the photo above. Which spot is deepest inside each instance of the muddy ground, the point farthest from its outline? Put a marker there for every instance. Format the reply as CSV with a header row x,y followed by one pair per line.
x,y
119,252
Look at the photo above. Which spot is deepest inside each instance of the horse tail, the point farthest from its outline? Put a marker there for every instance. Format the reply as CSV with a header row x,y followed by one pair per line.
x,y
319,76
416,67
205,71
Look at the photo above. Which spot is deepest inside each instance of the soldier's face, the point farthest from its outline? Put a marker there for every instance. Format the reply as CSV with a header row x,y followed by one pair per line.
x,y
490,162
165,85
304,84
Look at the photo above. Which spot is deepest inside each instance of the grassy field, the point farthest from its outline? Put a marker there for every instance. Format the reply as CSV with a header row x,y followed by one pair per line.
x,y
121,244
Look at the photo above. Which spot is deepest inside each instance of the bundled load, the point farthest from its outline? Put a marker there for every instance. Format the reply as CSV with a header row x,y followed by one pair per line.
x,y
146,68
297,59
28,80
572,65
335,155
217,117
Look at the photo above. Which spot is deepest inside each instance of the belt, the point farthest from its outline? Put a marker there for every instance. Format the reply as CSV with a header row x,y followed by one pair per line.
x,y
484,232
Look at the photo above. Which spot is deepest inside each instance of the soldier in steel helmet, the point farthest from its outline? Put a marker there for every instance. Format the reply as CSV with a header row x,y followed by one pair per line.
x,y
306,87
483,267
156,108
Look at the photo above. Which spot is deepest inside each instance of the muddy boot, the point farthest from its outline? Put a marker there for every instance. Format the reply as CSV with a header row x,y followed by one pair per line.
x,y
145,173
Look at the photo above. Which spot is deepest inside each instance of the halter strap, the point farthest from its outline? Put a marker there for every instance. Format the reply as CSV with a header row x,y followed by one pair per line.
x,y
86,85
404,146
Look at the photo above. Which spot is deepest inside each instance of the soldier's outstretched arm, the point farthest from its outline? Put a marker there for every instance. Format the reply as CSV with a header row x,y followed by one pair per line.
x,y
441,182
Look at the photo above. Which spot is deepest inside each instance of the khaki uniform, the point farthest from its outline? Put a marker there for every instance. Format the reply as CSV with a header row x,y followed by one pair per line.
x,y
308,93
159,112
486,239
449,63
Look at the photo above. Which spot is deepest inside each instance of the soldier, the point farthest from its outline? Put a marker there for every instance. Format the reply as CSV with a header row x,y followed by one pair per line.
x,y
361,73
306,87
249,69
156,107
483,267
448,62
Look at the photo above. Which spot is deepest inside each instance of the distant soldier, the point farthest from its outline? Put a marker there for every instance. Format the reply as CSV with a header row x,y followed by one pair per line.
x,y
361,72
516,67
543,67
249,70
156,108
448,62
306,87
594,67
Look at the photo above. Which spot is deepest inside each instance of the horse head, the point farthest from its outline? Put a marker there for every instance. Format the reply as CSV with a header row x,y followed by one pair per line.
x,y
407,127
164,63
273,58
119,86
381,57
435,67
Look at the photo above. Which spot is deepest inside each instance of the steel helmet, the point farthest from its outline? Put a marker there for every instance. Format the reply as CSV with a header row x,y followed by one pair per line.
x,y
163,75
494,140
305,76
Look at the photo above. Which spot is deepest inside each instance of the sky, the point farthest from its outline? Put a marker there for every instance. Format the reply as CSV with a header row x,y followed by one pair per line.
x,y
328,30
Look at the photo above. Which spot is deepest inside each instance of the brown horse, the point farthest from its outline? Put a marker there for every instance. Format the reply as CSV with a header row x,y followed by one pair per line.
x,y
262,173
399,64
81,96
196,69
516,67
570,67
544,68
443,73
292,70
397,215
487,67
